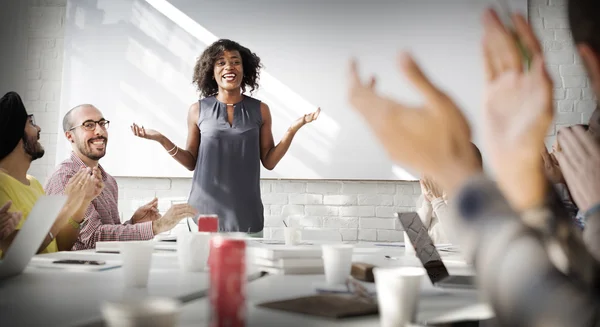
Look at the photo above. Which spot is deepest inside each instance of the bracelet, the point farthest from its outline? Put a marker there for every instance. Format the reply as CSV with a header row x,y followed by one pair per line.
x,y
595,208
172,149
174,154
74,224
51,235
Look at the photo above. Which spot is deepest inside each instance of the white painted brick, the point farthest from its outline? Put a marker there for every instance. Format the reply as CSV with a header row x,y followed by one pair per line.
x,y
559,94
552,45
32,95
405,188
340,222
357,211
588,94
376,199
572,70
53,75
416,188
367,235
385,211
32,74
292,210
585,106
560,57
50,91
405,200
566,105
359,188
33,63
574,81
553,12
547,35
377,223
144,183
558,2
324,187
389,236
349,234
273,221
343,200
568,118
46,121
275,198
288,187
386,188
573,94
551,131
316,210
556,23
563,35
265,186
305,221
53,107
537,24
138,194
275,209
305,199
398,225
585,116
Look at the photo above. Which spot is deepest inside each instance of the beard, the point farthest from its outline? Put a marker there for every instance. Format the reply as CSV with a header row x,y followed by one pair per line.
x,y
33,147
85,148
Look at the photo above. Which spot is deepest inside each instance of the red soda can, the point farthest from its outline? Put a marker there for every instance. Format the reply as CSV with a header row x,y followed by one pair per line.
x,y
227,282
208,223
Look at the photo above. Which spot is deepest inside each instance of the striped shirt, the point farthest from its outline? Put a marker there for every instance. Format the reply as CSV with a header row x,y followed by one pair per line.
x,y
102,220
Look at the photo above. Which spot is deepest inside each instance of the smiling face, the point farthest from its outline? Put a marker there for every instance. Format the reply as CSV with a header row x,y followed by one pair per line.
x,y
89,139
31,138
228,70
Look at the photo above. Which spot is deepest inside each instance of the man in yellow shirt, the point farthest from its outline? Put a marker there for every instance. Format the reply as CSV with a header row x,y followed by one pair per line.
x,y
19,147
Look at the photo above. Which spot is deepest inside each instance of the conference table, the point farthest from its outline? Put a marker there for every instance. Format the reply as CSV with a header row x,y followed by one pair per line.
x,y
57,297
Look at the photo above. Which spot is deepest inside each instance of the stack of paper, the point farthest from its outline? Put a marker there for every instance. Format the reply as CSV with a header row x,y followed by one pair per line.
x,y
286,260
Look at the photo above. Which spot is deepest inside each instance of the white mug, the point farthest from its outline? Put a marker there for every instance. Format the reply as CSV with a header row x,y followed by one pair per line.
x,y
193,250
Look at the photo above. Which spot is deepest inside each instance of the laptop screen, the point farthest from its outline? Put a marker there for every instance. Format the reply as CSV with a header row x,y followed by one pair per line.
x,y
424,247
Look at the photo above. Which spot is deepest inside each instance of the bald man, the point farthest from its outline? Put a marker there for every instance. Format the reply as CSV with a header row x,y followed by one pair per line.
x,y
87,130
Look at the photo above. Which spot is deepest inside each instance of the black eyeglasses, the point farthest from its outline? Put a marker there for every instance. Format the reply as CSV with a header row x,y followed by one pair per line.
x,y
31,119
90,125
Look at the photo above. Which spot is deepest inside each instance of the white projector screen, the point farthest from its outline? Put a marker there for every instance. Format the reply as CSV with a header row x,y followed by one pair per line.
x,y
133,59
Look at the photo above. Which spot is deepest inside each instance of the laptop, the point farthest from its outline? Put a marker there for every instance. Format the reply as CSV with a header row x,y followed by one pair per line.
x,y
31,235
429,255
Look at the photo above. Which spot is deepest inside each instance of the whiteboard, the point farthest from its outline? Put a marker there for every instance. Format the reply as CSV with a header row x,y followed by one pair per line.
x,y
133,59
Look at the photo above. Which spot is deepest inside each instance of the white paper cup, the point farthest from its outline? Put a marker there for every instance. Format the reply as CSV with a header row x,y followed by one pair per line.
x,y
292,235
408,247
398,292
137,256
148,312
193,250
337,260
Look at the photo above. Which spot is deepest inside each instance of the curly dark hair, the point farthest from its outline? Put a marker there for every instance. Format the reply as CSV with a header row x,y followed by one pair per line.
x,y
204,69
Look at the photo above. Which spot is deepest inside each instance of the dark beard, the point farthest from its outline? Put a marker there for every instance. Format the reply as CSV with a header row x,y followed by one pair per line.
x,y
33,148
88,153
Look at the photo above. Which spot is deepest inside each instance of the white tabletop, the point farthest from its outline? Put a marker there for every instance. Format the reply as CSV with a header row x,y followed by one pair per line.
x,y
51,297
435,305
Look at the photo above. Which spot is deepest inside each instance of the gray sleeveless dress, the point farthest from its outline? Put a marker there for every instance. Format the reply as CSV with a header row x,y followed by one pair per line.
x,y
227,176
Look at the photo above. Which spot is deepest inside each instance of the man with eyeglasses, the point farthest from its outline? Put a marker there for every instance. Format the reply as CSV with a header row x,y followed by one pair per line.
x,y
19,147
87,130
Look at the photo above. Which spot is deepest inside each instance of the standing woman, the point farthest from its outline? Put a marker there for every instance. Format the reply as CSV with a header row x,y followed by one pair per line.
x,y
229,135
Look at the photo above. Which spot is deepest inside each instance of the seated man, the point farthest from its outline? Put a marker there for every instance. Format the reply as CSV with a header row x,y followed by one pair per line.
x,y
87,131
433,208
19,191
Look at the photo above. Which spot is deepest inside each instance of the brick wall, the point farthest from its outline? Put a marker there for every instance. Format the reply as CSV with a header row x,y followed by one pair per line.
x,y
358,210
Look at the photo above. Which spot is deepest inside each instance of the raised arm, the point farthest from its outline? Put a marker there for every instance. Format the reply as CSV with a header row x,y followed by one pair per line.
x,y
186,157
271,154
